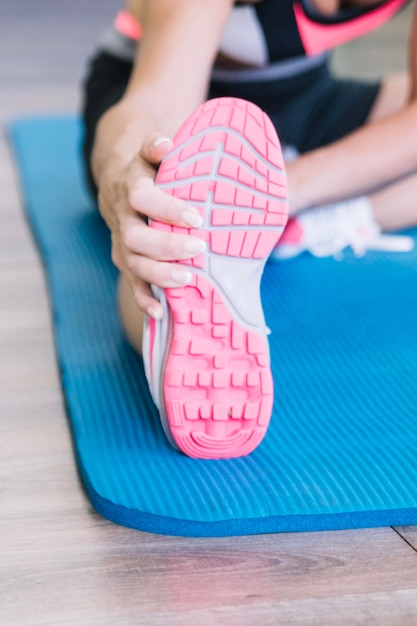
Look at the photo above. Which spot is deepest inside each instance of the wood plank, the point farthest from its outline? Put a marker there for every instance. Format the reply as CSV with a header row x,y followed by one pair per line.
x,y
101,572
396,609
409,534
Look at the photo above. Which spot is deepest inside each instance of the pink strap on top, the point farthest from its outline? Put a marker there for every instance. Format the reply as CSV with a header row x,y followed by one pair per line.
x,y
127,25
317,37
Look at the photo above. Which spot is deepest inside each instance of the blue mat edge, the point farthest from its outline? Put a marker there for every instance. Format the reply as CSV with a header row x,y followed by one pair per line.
x,y
156,524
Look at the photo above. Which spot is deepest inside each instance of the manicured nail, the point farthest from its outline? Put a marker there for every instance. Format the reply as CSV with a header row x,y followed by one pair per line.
x,y
182,277
195,246
154,312
160,141
193,218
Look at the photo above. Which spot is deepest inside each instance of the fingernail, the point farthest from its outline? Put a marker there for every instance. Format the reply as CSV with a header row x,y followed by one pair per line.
x,y
160,141
155,313
193,218
182,277
195,246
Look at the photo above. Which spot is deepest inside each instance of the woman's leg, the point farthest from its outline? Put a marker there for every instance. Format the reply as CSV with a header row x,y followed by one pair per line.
x,y
131,316
393,96
395,207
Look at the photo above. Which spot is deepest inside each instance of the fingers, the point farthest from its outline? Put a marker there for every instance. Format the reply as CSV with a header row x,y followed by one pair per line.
x,y
140,287
158,273
146,264
127,198
145,299
144,197
159,245
155,147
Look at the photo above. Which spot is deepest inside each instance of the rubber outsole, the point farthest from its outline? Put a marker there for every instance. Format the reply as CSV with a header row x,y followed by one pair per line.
x,y
216,384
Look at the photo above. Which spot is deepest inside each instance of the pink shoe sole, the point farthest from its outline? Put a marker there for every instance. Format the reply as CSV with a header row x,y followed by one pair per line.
x,y
217,387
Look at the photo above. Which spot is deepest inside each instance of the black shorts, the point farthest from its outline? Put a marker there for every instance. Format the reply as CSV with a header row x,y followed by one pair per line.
x,y
309,110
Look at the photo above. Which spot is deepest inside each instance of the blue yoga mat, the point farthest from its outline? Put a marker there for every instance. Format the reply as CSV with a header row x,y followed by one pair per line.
x,y
341,449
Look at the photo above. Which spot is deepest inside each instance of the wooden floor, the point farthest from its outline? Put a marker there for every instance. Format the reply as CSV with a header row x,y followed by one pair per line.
x,y
60,562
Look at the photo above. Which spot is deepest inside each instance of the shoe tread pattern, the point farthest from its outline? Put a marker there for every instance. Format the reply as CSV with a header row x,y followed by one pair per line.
x,y
217,387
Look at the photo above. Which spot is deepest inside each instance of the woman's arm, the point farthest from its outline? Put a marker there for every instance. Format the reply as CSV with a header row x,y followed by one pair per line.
x,y
372,156
169,79
363,161
171,70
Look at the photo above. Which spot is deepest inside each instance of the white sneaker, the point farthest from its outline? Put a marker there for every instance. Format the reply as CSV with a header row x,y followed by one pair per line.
x,y
207,361
326,231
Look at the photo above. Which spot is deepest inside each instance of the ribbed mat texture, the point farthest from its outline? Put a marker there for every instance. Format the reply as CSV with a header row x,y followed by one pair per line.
x,y
341,449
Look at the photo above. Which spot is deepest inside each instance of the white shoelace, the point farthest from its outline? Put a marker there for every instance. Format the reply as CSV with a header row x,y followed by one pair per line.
x,y
328,230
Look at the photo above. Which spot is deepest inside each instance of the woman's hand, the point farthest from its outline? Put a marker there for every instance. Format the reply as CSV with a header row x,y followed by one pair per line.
x,y
127,198
168,81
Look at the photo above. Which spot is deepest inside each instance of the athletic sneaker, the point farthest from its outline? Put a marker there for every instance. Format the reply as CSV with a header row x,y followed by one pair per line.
x,y
326,231
207,362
